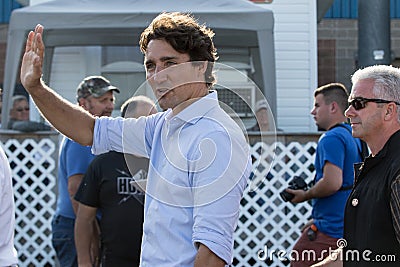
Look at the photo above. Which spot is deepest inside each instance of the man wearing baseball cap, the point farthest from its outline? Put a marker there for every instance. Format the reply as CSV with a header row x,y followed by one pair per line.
x,y
96,95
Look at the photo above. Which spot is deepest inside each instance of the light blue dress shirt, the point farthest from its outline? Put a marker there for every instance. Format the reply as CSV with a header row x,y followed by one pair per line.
x,y
199,165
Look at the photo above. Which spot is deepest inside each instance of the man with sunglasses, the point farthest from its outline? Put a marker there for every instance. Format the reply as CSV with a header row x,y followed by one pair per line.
x,y
95,95
337,151
372,214
19,117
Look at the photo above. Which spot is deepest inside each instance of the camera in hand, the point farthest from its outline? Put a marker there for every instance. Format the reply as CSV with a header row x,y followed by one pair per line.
x,y
296,183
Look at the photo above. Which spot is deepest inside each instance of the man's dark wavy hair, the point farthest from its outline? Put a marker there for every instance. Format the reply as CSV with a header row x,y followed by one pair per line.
x,y
185,35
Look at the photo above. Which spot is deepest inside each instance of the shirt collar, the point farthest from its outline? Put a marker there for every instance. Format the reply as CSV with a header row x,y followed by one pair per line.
x,y
197,110
390,145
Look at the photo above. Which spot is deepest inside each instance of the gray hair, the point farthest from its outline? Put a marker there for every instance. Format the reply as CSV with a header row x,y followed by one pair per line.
x,y
387,82
133,103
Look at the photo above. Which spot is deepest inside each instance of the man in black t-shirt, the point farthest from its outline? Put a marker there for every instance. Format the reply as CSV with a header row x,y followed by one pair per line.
x,y
106,186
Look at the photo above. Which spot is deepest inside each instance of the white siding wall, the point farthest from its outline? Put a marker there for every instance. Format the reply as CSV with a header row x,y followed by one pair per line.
x,y
70,66
68,69
296,62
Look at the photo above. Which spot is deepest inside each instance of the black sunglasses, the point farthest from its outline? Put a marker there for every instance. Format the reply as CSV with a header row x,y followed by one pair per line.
x,y
360,102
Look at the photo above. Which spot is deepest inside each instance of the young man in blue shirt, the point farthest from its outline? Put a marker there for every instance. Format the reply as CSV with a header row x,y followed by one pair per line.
x,y
337,152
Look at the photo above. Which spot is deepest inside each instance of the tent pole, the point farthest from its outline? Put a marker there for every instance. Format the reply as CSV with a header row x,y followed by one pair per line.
x,y
15,43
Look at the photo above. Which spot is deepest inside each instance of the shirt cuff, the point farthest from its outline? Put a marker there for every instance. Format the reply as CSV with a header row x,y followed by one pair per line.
x,y
219,244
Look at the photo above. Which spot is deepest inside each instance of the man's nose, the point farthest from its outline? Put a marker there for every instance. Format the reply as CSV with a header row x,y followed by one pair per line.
x,y
349,112
160,75
111,105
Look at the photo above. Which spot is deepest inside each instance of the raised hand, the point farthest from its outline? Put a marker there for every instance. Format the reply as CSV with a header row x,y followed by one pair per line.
x,y
32,62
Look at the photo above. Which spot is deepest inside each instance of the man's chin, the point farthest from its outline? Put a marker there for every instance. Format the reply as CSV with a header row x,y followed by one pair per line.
x,y
164,105
356,134
163,101
355,130
319,127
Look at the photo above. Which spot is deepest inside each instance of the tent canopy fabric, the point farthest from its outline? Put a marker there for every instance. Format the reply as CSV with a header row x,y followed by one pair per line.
x,y
236,23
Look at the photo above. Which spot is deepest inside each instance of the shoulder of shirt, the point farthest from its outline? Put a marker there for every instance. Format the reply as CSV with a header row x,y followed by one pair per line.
x,y
338,133
70,142
106,157
339,130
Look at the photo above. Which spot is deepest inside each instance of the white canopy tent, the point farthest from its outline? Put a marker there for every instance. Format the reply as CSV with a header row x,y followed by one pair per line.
x,y
237,24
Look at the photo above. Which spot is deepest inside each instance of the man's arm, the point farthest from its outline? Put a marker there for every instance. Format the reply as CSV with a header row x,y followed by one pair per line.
x,y
395,206
206,258
329,184
84,234
67,118
73,184
220,187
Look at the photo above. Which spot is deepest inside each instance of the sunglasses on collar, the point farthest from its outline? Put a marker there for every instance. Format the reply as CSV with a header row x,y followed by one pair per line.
x,y
361,102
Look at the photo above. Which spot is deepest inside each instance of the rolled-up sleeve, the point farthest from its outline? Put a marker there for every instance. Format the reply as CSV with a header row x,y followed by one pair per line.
x,y
215,225
224,179
121,135
107,135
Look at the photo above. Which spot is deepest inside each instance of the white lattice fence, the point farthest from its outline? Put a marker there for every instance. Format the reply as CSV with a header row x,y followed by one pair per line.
x,y
268,227
33,163
265,220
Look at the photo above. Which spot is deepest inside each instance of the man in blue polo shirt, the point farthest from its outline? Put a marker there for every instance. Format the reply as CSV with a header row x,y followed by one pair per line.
x,y
96,95
337,151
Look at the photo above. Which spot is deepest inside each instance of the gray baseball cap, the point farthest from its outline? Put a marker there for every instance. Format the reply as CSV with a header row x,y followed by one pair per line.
x,y
95,86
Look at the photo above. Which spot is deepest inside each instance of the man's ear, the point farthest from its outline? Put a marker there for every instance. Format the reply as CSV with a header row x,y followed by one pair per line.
x,y
333,107
202,65
201,68
391,109
82,102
